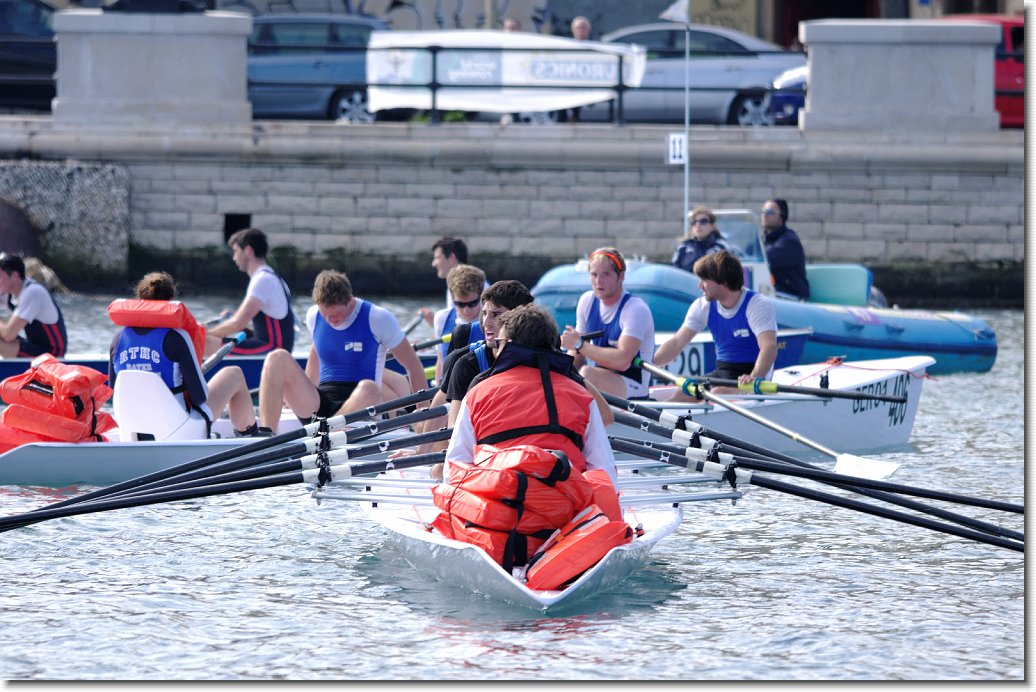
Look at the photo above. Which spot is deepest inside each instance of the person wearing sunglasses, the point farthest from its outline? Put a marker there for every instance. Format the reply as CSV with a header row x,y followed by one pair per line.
x,y
784,252
702,238
465,283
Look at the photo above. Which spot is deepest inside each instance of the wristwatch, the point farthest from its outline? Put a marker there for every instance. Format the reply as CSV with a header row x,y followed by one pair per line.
x,y
579,345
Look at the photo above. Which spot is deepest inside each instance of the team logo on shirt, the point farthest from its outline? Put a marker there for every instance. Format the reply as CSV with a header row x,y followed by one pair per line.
x,y
742,333
354,346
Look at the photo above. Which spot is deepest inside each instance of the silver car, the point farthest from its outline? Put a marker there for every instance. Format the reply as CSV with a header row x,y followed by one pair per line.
x,y
730,74
310,66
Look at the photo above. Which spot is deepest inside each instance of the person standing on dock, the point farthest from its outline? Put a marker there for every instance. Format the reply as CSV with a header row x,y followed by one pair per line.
x,y
629,330
346,360
34,312
784,251
743,324
266,306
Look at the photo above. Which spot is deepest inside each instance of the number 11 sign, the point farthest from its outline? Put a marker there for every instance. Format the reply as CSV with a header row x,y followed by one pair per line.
x,y
677,147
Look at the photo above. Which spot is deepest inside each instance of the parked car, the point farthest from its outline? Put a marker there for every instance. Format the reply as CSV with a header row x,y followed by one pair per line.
x,y
310,66
1009,65
788,95
28,54
730,74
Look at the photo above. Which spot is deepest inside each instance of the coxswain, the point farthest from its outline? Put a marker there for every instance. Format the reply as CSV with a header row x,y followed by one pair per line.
x,y
172,352
266,306
36,324
528,397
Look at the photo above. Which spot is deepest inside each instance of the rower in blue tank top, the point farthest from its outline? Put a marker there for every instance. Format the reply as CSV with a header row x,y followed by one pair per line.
x,y
743,324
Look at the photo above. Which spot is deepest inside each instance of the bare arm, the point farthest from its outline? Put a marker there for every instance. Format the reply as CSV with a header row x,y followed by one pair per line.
x,y
767,355
408,358
607,417
248,309
10,329
618,358
673,345
313,366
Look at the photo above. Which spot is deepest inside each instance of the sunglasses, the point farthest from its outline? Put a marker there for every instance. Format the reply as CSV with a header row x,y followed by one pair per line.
x,y
467,304
700,222
769,212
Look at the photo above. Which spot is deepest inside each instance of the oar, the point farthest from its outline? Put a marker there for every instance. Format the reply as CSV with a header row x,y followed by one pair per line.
x,y
318,476
313,446
238,470
733,474
412,324
847,464
891,498
211,362
333,423
761,386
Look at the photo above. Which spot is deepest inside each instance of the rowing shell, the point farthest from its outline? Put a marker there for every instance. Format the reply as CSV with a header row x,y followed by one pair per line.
x,y
404,507
847,425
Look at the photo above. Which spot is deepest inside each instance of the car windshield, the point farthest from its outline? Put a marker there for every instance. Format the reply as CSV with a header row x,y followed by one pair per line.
x,y
740,228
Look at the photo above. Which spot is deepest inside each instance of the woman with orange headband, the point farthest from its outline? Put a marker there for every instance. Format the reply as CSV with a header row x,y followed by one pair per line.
x,y
627,325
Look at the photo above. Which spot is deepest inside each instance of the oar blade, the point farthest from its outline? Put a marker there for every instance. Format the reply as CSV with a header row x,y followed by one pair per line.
x,y
872,469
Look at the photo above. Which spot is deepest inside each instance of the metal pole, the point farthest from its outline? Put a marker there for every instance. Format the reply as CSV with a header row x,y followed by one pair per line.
x,y
686,119
491,18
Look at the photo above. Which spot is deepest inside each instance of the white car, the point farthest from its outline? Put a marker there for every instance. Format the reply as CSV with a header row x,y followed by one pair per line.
x,y
730,76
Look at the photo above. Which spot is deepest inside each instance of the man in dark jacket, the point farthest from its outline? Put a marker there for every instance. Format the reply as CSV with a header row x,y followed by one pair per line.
x,y
784,251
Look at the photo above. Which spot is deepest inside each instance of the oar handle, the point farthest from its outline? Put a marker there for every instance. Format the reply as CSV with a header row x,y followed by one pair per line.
x,y
412,324
219,355
421,345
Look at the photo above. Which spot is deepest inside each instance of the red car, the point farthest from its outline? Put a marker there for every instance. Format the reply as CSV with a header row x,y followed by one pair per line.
x,y
1009,70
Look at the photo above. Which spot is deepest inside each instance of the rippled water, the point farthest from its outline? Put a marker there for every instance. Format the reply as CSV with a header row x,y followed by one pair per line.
x,y
266,585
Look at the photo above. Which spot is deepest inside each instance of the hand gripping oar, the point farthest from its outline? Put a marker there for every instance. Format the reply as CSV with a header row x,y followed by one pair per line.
x,y
319,476
846,464
891,498
733,473
333,423
427,343
213,360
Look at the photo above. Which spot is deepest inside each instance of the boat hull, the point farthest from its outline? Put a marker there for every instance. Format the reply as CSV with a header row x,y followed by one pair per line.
x,y
843,425
958,342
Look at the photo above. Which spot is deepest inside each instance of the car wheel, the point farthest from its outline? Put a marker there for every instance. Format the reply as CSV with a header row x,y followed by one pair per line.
x,y
349,107
751,110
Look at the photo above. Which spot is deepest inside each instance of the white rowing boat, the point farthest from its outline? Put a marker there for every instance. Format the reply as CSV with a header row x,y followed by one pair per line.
x,y
846,425
402,504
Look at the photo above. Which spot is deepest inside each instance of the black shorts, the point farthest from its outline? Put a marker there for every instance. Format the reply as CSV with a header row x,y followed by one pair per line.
x,y
28,349
332,396
725,370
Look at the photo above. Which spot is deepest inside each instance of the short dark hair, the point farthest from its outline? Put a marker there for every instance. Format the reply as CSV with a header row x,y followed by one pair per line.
x,y
250,237
782,206
721,267
452,246
11,264
507,294
156,286
531,326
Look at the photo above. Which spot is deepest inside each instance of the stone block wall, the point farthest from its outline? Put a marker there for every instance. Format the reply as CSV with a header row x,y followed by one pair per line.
x,y
375,198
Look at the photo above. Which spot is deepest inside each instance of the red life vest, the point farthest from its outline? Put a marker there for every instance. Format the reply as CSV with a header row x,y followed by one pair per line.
x,y
507,498
170,314
575,548
54,402
509,406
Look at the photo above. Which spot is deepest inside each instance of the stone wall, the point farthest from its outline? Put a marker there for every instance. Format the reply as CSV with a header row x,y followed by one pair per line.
x,y
927,212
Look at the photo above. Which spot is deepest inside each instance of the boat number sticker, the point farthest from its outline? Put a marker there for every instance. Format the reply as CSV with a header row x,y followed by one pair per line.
x,y
896,412
688,362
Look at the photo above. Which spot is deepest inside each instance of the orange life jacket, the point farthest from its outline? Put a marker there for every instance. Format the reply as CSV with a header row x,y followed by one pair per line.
x,y
605,495
54,401
509,406
507,497
170,314
575,548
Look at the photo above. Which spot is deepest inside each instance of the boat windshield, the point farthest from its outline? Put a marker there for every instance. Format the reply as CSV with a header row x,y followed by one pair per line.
x,y
740,228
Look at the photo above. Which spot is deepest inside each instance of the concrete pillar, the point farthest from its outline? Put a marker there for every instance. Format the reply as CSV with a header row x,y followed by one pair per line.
x,y
152,71
899,75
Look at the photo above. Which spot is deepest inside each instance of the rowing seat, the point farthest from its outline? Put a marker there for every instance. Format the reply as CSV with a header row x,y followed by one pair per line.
x,y
146,410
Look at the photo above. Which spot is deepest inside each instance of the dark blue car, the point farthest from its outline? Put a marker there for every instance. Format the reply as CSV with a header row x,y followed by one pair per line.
x,y
310,66
788,96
